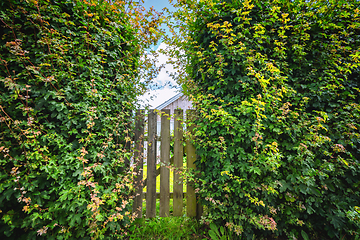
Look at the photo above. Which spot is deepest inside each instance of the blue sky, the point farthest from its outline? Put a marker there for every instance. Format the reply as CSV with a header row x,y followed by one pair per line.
x,y
154,98
158,4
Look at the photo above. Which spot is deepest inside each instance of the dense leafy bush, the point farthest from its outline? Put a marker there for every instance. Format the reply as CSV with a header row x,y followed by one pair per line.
x,y
68,83
277,87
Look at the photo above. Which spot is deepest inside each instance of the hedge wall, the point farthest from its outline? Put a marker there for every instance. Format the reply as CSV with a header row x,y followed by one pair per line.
x,y
277,87
68,83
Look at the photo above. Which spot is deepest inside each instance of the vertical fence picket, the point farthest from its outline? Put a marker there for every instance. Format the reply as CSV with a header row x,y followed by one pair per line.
x,y
165,162
138,162
190,159
178,164
151,166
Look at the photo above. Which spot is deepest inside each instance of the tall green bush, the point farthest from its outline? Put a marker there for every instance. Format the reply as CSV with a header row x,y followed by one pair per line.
x,y
69,78
277,88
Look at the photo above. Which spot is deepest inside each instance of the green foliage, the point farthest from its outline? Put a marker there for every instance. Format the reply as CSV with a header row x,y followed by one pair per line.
x,y
215,234
69,78
276,84
174,228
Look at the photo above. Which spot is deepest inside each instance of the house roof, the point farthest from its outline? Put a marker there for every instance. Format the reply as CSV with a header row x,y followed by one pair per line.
x,y
168,102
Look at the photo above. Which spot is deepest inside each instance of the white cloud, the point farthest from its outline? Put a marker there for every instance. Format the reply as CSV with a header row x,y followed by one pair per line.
x,y
163,76
168,87
154,98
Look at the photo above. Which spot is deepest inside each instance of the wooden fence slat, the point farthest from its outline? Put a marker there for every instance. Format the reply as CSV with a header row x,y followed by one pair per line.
x,y
165,162
158,171
151,166
178,164
138,161
190,159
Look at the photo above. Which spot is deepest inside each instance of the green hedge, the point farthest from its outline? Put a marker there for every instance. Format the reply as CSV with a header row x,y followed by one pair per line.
x,y
68,83
277,88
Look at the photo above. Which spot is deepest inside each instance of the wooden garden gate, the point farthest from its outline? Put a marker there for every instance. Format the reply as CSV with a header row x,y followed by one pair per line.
x,y
192,208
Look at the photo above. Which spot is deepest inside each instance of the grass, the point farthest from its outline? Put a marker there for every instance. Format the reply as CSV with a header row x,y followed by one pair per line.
x,y
167,228
171,228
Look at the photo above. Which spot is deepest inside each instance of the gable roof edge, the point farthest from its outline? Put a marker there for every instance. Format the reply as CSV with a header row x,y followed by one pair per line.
x,y
168,102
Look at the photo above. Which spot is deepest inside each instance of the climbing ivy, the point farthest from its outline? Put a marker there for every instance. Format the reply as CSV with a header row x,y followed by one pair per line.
x,y
277,90
69,79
